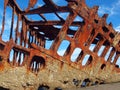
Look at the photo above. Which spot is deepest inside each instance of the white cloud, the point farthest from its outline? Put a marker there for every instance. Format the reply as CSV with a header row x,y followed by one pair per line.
x,y
114,9
117,28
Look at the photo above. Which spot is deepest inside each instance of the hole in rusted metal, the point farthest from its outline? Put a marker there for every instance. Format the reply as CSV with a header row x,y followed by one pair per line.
x,y
63,47
76,82
1,59
94,43
75,54
101,50
1,47
58,88
118,61
43,87
65,82
71,31
1,88
105,29
11,55
113,57
48,44
95,20
103,66
108,53
51,16
87,60
112,35
78,18
34,17
117,66
37,63
63,15
85,82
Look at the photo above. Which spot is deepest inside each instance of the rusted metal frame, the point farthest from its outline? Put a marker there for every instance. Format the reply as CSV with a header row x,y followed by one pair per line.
x,y
19,59
97,30
78,32
15,54
84,30
90,59
31,35
26,37
106,35
43,43
23,33
111,54
90,38
81,10
37,40
12,23
15,46
17,27
50,4
12,3
116,58
42,16
101,24
38,43
31,4
34,40
37,23
63,31
25,30
8,46
21,49
44,10
61,19
116,41
69,52
24,62
105,51
29,39
25,59
4,14
35,35
80,58
18,50
98,45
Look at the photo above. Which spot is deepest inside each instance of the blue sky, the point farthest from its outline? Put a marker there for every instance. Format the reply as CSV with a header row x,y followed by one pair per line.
x,y
111,7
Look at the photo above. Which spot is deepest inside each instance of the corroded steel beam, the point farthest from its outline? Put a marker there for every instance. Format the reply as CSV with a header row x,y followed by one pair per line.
x,y
91,47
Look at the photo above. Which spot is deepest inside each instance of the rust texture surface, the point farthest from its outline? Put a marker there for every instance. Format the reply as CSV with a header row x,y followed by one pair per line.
x,y
91,47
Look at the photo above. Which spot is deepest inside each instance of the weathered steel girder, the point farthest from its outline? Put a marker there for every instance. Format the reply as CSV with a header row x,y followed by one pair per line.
x,y
95,46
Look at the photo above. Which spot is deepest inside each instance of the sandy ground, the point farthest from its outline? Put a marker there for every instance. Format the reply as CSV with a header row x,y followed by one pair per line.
x,y
112,86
